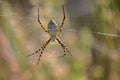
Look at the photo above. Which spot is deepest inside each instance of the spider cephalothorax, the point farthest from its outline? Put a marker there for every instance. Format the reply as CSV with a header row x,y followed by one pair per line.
x,y
53,29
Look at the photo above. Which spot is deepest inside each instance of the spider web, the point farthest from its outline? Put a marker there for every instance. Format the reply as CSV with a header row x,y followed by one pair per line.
x,y
33,30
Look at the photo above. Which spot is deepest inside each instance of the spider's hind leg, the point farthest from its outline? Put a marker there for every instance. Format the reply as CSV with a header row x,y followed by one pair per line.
x,y
34,53
64,47
40,49
43,48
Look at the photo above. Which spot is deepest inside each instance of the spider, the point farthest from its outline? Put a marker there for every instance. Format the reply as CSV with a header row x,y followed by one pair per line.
x,y
53,30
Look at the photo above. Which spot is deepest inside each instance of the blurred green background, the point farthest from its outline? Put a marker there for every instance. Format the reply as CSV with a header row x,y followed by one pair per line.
x,y
91,32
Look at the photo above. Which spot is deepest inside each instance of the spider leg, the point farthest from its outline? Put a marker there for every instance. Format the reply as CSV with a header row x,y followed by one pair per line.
x,y
37,50
63,18
64,47
34,52
43,48
40,49
44,45
41,23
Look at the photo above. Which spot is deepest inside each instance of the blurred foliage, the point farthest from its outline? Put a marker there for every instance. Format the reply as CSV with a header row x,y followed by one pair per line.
x,y
94,43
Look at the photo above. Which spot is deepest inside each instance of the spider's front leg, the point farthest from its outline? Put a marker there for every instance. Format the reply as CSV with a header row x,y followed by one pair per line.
x,y
41,23
64,47
62,24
